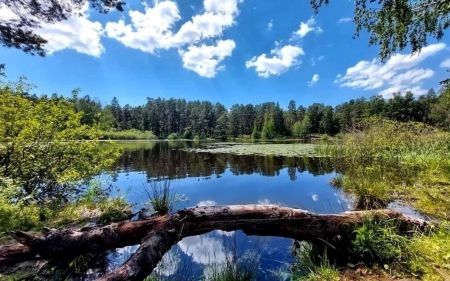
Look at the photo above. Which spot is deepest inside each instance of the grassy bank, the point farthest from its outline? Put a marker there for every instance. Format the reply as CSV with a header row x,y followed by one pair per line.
x,y
388,161
132,134
93,205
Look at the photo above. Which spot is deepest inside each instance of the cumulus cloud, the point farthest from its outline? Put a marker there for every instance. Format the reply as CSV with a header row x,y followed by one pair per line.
x,y
314,80
400,73
77,33
148,31
280,62
305,28
153,30
345,20
315,197
205,60
445,64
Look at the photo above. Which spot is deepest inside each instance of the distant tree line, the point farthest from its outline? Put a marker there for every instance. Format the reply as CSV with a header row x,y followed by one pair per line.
x,y
178,118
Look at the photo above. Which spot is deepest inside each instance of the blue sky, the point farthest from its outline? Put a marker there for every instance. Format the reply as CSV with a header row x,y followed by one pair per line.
x,y
228,51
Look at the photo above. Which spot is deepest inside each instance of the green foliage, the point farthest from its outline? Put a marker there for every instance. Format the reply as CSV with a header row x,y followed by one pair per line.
x,y
324,137
161,197
387,139
430,253
131,134
380,241
197,138
396,25
312,267
173,136
44,148
268,130
255,133
19,214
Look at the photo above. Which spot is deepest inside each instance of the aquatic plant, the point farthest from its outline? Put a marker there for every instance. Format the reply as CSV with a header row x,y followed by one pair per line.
x,y
161,197
310,266
239,265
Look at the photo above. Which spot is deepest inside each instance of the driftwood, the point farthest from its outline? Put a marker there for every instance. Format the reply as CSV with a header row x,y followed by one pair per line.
x,y
157,235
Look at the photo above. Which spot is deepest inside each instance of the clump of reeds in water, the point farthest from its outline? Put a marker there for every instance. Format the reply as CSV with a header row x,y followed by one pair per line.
x,y
162,198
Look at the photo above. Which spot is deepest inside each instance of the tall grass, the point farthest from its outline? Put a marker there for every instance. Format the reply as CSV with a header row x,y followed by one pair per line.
x,y
239,264
310,266
382,139
161,196
131,134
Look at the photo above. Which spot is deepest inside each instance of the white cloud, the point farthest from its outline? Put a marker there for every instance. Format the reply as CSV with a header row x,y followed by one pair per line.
x,y
445,64
205,60
203,249
264,202
345,20
399,73
77,33
225,233
148,31
313,62
206,203
305,28
315,197
270,25
280,62
321,58
153,30
314,80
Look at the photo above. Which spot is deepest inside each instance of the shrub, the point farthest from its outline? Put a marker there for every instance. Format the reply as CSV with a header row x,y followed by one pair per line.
x,y
131,134
379,240
173,136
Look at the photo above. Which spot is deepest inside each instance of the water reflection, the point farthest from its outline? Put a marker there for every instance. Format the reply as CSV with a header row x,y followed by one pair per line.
x,y
222,179
166,160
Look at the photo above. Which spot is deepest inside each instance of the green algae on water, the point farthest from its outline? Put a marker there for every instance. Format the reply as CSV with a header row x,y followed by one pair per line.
x,y
288,150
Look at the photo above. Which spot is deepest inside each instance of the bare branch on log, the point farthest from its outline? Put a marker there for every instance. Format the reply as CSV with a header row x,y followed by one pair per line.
x,y
157,235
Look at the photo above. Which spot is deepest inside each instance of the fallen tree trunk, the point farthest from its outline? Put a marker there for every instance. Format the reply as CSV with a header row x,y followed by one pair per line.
x,y
157,235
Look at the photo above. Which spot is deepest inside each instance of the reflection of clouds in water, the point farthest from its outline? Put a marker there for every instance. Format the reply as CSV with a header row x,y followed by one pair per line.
x,y
264,201
124,254
315,197
203,249
344,200
207,203
169,263
225,233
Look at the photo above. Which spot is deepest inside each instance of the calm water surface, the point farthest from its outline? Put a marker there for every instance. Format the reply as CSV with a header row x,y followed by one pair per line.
x,y
221,179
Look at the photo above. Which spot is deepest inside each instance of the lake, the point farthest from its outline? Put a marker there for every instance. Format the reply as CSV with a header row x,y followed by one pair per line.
x,y
222,179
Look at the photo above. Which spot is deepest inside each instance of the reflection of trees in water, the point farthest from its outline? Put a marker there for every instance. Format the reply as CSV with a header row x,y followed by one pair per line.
x,y
166,160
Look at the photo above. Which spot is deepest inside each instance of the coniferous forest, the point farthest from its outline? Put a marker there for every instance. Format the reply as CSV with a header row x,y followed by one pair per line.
x,y
177,118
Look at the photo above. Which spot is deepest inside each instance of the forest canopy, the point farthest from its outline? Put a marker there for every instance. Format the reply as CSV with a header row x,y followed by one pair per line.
x,y
179,118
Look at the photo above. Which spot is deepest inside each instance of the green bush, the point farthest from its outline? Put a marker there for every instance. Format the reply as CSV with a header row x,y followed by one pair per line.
x,y
380,241
131,134
173,136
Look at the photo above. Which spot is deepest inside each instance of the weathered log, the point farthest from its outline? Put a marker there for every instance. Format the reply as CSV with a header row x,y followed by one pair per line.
x,y
163,232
